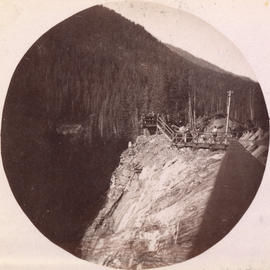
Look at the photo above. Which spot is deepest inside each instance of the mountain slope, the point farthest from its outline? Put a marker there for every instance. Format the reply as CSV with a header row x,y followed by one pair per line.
x,y
201,62
113,71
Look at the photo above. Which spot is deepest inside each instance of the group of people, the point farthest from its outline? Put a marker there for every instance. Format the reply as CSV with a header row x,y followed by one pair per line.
x,y
184,133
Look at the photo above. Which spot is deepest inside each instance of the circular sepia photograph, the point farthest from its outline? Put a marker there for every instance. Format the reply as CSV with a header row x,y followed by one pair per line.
x,y
134,135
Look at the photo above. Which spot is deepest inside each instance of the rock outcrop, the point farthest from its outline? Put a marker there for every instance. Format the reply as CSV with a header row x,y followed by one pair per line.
x,y
154,206
257,143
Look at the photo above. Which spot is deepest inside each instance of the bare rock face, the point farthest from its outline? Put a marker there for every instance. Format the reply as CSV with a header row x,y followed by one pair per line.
x,y
154,207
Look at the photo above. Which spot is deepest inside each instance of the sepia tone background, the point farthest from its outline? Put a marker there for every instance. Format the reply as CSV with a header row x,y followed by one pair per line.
x,y
246,23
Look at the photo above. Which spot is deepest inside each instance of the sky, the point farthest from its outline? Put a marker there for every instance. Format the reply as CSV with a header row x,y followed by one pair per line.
x,y
187,32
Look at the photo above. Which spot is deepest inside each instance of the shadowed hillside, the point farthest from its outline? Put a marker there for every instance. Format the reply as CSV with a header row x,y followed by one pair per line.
x,y
237,182
74,102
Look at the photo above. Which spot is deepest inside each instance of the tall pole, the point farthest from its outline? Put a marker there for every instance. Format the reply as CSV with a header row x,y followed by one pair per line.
x,y
190,110
194,107
229,93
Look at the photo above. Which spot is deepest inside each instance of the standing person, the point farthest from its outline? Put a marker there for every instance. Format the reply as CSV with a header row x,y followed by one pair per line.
x,y
189,137
143,121
167,119
152,115
214,133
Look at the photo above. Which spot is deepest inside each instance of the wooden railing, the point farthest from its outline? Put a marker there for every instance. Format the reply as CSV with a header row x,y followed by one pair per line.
x,y
165,129
191,138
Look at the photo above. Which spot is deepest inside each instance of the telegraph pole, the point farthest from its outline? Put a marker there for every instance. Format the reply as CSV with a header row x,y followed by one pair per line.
x,y
229,95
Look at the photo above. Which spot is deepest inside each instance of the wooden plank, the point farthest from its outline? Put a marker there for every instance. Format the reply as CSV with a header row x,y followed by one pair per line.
x,y
202,145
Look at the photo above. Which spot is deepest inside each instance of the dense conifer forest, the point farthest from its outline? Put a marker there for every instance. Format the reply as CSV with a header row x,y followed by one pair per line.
x,y
101,72
102,69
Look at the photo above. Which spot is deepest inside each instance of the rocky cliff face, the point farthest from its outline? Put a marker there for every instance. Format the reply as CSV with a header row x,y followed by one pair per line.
x,y
154,206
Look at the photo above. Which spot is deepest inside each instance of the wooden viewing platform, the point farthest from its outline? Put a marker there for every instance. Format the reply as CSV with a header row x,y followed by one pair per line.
x,y
192,139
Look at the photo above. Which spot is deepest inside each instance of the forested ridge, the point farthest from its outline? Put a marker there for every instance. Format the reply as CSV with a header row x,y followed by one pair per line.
x,y
101,68
100,71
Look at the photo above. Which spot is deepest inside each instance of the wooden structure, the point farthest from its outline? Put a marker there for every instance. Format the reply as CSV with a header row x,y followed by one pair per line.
x,y
191,139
